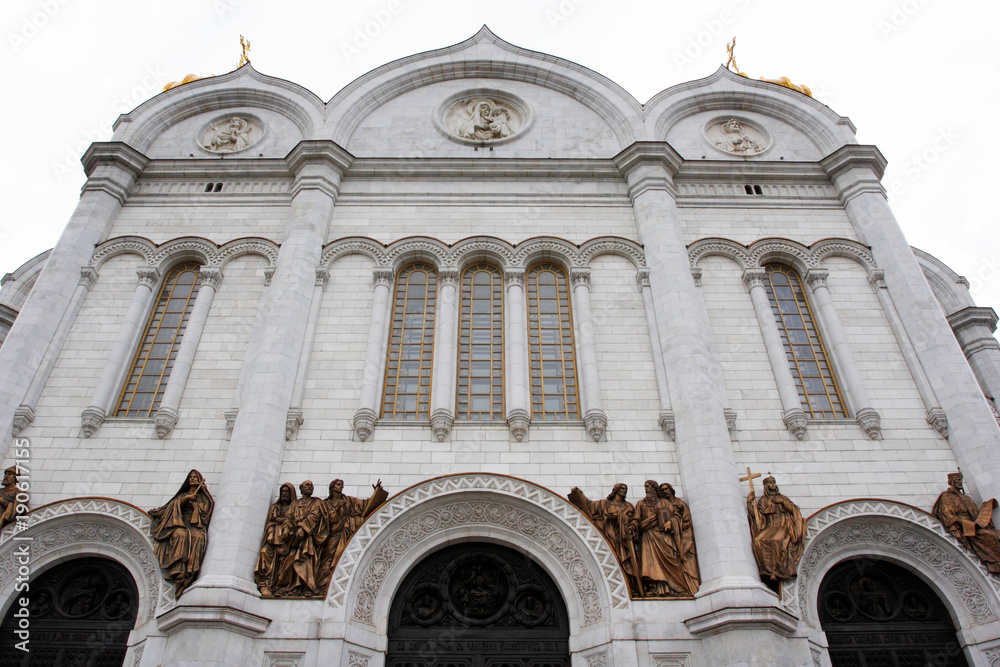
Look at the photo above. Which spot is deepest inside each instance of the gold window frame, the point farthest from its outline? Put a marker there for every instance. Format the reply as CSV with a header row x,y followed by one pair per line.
x,y
468,335
411,345
561,364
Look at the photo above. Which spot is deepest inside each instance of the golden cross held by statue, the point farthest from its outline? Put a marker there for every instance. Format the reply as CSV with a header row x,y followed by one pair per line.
x,y
749,478
732,61
245,55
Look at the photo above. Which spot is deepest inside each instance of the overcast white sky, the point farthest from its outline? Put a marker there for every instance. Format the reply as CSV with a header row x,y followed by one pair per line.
x,y
918,78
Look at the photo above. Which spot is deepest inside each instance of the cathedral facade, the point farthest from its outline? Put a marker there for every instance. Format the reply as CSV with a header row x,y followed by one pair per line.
x,y
483,362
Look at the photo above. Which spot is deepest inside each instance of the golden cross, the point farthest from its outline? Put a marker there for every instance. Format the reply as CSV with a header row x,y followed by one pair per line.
x,y
736,68
749,478
245,55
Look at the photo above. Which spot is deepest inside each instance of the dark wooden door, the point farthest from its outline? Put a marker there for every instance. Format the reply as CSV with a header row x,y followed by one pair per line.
x,y
81,613
478,605
876,614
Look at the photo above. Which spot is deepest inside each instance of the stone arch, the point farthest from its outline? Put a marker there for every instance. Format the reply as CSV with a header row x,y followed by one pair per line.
x,y
546,249
89,527
416,249
353,245
188,248
486,249
906,536
611,245
478,507
785,251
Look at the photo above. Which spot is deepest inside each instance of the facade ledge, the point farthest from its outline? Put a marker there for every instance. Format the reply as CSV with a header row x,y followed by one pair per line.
x,y
743,618
202,617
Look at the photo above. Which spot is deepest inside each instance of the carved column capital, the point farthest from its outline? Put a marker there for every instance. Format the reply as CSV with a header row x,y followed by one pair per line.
x,y
642,278
383,276
441,422
937,418
513,276
580,276
148,276
164,422
754,277
876,278
210,276
870,423
696,273
796,422
816,278
448,276
518,421
230,416
364,423
731,422
668,424
23,416
322,276
88,276
268,276
292,423
91,419
597,425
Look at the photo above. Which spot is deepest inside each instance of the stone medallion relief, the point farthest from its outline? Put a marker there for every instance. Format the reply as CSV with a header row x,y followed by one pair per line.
x,y
481,119
737,136
231,134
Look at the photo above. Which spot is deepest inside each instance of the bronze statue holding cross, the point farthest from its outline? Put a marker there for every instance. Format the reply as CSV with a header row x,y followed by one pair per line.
x,y
777,529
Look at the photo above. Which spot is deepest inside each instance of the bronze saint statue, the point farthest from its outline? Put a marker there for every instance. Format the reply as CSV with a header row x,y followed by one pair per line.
x,y
345,514
668,562
180,529
777,530
8,497
306,526
972,525
615,518
274,545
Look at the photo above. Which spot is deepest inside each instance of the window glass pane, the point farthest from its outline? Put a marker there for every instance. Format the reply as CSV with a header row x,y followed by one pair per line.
x,y
408,367
160,341
480,348
550,340
807,358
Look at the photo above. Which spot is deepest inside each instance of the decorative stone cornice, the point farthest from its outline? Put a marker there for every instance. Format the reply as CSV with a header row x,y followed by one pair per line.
x,y
518,421
148,276
668,423
164,422
91,419
659,157
318,164
597,425
973,316
112,167
853,156
817,278
88,276
441,422
211,277
796,422
23,416
580,276
773,619
870,422
203,617
754,277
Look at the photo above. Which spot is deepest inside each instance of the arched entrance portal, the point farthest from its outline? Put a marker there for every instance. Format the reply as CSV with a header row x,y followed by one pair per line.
x,y
875,613
478,605
81,613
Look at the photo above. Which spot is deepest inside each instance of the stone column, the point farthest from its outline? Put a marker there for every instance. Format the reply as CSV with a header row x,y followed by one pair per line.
x,y
974,329
295,416
704,452
594,417
857,396
375,351
516,355
112,169
666,421
974,435
95,414
166,416
25,413
253,460
791,405
445,354
936,417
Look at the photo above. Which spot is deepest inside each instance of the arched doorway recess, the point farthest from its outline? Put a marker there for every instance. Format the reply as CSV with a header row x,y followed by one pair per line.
x,y
81,610
478,605
877,614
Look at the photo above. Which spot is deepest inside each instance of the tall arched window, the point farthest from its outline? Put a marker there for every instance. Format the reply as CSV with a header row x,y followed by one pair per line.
x,y
480,344
554,392
411,345
162,339
804,348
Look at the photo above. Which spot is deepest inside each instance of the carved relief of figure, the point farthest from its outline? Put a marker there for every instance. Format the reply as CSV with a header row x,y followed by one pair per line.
x,y
668,562
234,136
180,529
274,545
306,526
778,529
615,518
345,514
735,140
8,497
483,120
972,525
